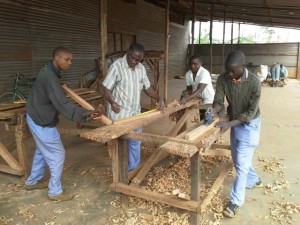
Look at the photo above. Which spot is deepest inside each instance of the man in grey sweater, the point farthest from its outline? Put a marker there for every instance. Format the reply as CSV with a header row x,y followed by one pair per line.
x,y
45,102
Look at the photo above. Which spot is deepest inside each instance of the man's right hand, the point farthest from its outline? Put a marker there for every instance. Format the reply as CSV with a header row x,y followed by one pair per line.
x,y
115,107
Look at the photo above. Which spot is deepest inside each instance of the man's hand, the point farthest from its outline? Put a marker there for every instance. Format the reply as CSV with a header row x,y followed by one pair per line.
x,y
223,125
90,115
183,101
115,107
161,104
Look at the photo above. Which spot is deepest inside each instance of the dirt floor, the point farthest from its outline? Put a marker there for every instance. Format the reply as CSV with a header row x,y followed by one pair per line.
x,y
87,174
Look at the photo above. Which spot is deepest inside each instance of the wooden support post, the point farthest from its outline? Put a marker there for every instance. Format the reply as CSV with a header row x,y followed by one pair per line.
x,y
193,26
180,123
210,37
195,186
103,28
123,168
167,36
223,45
113,149
298,63
21,129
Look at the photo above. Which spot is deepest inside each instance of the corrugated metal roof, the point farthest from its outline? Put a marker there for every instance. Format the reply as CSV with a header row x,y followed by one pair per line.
x,y
276,13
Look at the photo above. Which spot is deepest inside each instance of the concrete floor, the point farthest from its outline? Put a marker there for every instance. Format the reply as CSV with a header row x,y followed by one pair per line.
x,y
87,171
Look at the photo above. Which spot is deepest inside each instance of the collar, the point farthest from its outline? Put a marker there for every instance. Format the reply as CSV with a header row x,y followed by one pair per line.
x,y
243,78
125,64
54,69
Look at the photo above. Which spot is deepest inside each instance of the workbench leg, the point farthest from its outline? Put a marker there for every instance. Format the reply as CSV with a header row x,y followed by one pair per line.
x,y
20,134
123,168
195,186
114,150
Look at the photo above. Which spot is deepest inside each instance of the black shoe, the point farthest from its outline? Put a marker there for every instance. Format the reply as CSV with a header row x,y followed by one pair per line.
x,y
259,184
231,210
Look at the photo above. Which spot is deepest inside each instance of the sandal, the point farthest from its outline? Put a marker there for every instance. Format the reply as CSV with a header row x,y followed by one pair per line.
x,y
231,210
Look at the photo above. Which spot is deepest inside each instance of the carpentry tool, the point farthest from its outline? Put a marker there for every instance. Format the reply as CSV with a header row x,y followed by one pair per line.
x,y
208,118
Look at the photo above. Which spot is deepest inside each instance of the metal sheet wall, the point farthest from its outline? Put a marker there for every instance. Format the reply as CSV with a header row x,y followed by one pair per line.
x,y
257,54
30,30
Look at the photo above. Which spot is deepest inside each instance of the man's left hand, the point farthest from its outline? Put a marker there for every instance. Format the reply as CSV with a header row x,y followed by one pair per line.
x,y
90,115
223,125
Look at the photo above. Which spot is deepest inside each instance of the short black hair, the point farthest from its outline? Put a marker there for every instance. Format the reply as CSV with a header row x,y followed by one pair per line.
x,y
136,47
236,57
59,50
198,57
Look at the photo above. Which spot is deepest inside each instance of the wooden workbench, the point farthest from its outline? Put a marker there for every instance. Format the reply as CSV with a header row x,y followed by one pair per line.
x,y
193,143
12,115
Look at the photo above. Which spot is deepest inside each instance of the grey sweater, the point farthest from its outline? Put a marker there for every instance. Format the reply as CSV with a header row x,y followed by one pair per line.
x,y
47,99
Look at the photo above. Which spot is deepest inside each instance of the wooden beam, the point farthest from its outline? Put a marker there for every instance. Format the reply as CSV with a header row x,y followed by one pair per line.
x,y
123,168
180,123
193,26
216,153
7,169
9,159
221,146
166,47
215,187
196,133
103,35
298,63
155,196
184,150
113,131
85,104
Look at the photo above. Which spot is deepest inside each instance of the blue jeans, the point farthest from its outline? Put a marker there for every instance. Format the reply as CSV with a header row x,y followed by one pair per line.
x,y
134,152
275,72
244,140
49,152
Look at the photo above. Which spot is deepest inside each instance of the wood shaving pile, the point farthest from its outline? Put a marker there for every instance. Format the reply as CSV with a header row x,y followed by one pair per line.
x,y
165,179
283,212
4,221
273,165
276,186
25,211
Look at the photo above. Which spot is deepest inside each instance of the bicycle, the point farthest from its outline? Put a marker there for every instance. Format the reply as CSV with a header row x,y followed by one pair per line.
x,y
18,95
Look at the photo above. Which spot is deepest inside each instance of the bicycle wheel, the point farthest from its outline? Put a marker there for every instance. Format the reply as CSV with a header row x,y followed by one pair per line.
x,y
9,97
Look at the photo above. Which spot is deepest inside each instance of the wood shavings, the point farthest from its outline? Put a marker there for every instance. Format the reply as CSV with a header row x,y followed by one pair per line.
x,y
59,211
4,221
276,186
272,165
283,212
25,211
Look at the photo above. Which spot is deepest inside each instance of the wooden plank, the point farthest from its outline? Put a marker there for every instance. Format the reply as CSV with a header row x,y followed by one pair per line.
x,y
216,153
156,139
85,104
196,133
10,105
12,113
195,186
113,131
184,150
215,187
71,131
7,169
220,146
155,196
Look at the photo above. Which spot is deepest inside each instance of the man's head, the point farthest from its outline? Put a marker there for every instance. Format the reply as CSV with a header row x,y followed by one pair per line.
x,y
135,54
62,58
235,64
281,65
195,63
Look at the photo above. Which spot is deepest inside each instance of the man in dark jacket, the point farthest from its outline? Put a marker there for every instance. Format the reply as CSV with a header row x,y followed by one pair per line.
x,y
46,100
242,90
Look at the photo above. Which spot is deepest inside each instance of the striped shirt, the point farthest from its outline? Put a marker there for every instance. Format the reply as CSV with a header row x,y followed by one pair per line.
x,y
126,85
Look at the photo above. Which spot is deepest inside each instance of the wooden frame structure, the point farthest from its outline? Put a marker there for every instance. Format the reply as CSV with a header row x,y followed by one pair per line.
x,y
200,142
